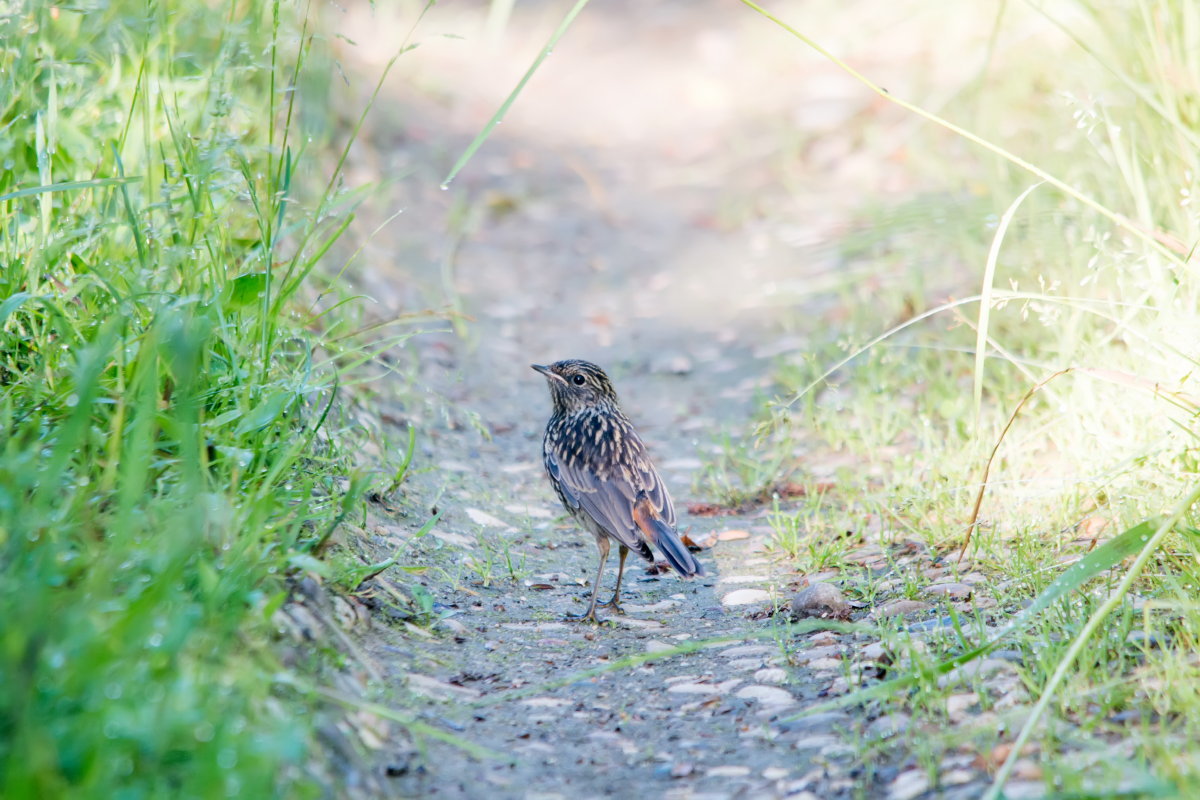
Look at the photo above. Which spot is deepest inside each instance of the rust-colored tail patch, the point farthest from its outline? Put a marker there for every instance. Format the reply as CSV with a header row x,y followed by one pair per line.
x,y
662,536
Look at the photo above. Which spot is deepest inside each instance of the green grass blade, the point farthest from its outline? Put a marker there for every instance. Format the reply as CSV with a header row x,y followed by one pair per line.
x,y
985,302
1103,558
482,136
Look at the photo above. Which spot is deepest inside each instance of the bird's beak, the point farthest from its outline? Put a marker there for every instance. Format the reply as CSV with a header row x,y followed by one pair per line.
x,y
548,373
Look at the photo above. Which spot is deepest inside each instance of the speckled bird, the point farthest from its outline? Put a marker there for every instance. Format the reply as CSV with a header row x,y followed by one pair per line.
x,y
601,472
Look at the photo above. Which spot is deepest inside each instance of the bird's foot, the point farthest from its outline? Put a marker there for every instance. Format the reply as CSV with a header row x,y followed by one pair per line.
x,y
614,603
588,617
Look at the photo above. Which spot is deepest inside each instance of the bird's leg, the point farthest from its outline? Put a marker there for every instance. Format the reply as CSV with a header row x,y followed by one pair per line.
x,y
615,602
590,616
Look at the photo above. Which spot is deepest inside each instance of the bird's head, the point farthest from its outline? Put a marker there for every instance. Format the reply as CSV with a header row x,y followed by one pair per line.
x,y
576,385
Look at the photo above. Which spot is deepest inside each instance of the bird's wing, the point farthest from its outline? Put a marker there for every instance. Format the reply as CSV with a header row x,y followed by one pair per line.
x,y
607,488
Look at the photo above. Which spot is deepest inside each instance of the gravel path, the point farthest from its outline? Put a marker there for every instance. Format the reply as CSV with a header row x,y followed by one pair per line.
x,y
634,238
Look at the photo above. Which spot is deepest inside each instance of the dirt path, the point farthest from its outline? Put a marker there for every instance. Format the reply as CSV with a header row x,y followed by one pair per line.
x,y
638,223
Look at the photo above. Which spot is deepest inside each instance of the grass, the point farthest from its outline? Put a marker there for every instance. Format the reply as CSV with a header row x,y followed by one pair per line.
x,y
1091,271
170,451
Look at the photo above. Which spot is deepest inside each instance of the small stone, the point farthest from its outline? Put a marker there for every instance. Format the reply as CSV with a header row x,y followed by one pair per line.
x,y
1026,769
767,695
431,687
643,624
889,725
817,723
746,663
545,702
822,600
956,777
900,608
727,772
774,773
932,625
957,705
980,668
744,650
874,652
954,591
771,675
693,688
682,769
817,741
483,518
453,626
745,597
661,605
908,785
655,646
1024,790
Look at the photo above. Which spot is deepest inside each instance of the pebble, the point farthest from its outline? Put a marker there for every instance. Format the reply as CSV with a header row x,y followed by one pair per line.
x,y
661,605
692,688
822,600
746,663
774,773
956,777
655,646
745,597
817,653
1024,790
545,702
741,579
874,652
743,650
771,675
824,721
817,741
958,704
909,785
955,591
980,668
730,771
437,690
487,520
767,695
643,624
900,608
889,725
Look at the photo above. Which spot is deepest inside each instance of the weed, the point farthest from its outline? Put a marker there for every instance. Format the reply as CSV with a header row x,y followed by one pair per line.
x,y
170,444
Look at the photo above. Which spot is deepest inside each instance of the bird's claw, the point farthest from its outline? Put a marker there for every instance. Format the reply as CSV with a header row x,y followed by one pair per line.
x,y
614,603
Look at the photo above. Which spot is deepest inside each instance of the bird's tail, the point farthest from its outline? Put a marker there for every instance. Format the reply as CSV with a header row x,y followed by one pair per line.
x,y
665,539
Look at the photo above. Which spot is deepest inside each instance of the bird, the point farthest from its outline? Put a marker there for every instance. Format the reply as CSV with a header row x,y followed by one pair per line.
x,y
600,470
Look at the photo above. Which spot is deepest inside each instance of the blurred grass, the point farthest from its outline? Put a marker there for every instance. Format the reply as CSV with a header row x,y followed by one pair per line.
x,y
164,395
1104,97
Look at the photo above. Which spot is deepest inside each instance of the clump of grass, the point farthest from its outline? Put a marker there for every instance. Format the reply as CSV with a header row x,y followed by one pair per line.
x,y
1088,271
164,397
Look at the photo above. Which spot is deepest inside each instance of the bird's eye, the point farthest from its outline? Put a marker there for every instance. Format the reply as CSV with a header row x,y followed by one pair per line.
x,y
578,379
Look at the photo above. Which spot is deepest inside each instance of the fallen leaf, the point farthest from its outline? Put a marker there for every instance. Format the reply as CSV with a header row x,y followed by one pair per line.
x,y
704,542
708,510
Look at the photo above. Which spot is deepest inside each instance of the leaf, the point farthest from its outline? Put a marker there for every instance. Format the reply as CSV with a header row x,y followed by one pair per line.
x,y
266,412
307,563
246,290
12,304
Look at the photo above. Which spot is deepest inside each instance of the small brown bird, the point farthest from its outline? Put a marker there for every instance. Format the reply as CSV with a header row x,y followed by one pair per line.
x,y
602,474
